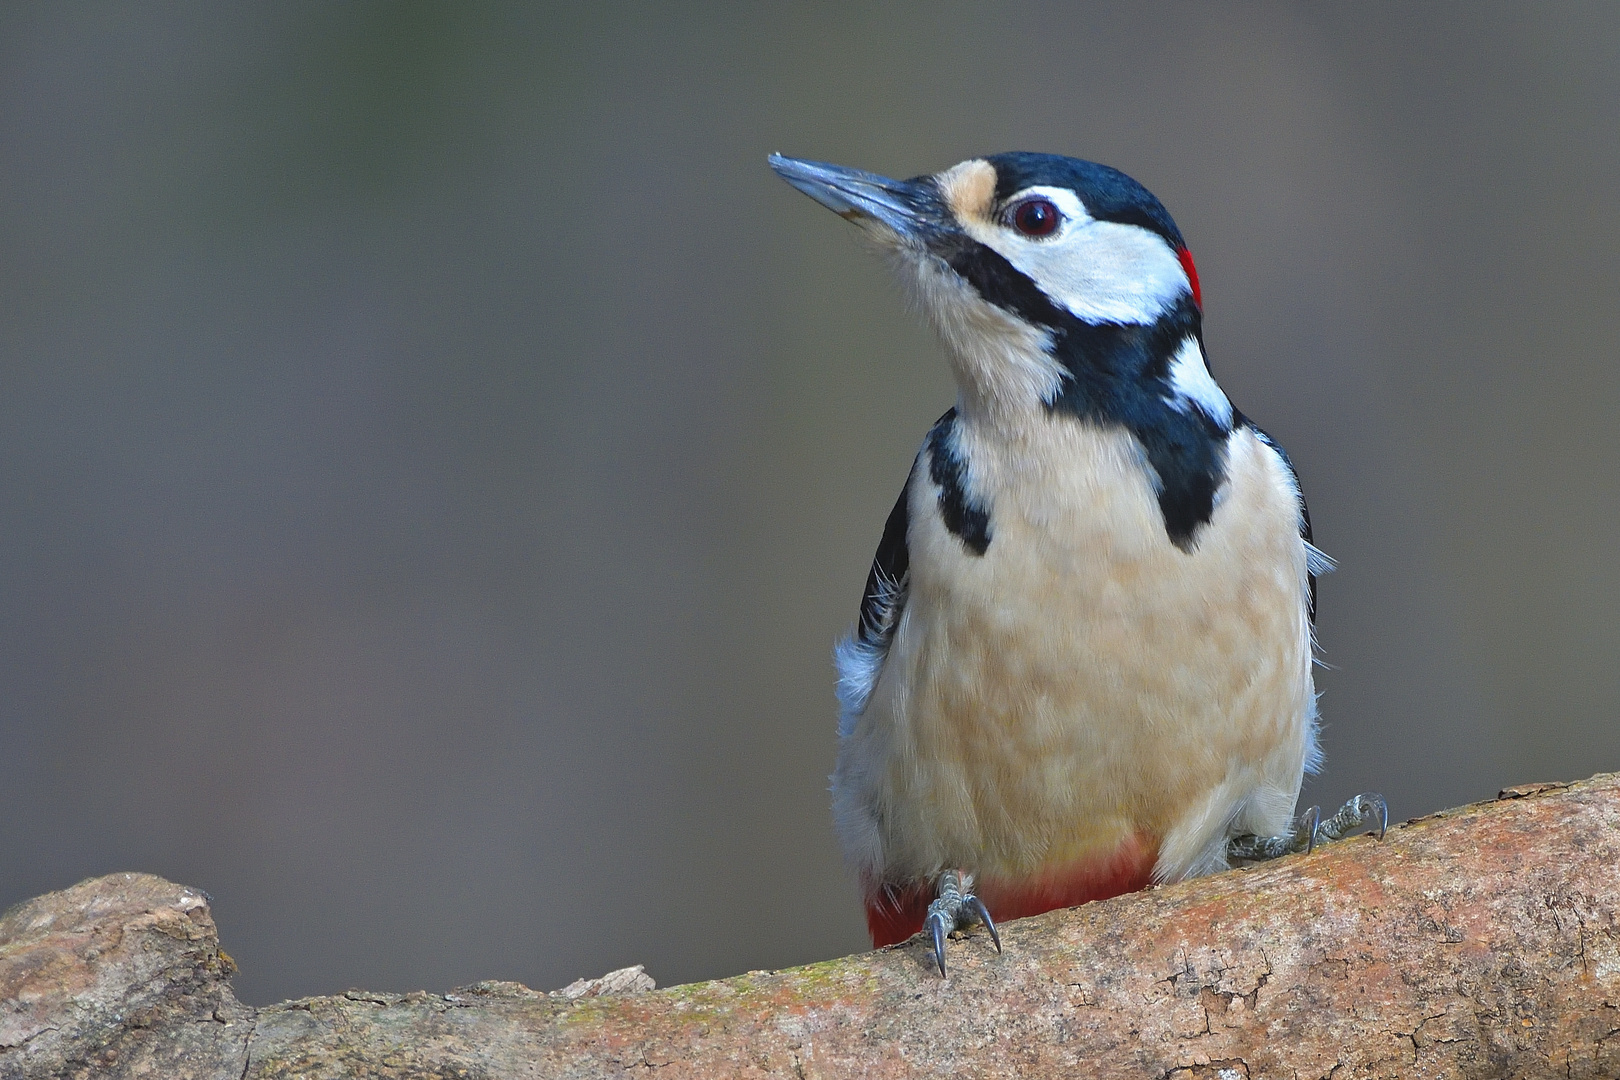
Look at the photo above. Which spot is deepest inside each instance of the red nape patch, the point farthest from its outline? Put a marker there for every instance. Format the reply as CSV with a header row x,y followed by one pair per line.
x,y
1192,276
897,912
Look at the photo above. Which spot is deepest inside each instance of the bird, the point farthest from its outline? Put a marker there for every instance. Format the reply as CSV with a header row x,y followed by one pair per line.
x,y
1083,658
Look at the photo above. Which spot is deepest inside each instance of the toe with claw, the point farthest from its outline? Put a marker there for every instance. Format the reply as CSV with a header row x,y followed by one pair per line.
x,y
955,909
1310,829
1364,809
1301,836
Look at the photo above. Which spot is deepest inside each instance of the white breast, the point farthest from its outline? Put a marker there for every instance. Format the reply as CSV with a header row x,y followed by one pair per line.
x,y
1084,680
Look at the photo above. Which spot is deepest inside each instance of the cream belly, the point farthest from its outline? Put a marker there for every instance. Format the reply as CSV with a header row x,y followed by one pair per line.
x,y
1084,683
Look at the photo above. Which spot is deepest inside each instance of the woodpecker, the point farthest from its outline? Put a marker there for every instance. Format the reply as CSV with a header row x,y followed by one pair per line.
x,y
1082,663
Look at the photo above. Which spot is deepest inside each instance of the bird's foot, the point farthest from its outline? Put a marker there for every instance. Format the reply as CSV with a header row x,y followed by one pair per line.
x,y
1301,836
1364,809
956,909
1310,829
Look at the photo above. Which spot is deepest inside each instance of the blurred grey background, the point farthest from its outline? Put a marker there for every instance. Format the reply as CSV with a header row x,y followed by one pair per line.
x,y
438,455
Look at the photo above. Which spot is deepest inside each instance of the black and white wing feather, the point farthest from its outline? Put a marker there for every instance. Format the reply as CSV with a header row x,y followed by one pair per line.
x,y
859,657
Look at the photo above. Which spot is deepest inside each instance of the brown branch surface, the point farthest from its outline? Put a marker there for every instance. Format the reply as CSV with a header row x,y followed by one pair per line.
x,y
1481,942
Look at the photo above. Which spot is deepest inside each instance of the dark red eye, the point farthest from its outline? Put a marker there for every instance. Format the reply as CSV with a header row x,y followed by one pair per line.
x,y
1037,218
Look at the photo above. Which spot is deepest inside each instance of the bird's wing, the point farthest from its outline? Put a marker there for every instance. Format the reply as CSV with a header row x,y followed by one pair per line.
x,y
859,657
885,594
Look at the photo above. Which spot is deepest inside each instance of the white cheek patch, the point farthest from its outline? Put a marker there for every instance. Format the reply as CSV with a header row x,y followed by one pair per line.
x,y
1101,271
1192,386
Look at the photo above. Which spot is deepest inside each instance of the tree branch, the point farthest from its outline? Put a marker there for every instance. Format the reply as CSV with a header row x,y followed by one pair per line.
x,y
1479,942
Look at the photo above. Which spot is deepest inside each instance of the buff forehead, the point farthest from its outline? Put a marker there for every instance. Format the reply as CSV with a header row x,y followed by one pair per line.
x,y
969,189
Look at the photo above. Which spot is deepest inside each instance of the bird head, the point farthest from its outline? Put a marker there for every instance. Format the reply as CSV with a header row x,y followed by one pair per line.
x,y
1054,282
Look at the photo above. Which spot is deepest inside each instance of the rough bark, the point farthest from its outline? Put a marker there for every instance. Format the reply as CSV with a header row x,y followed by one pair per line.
x,y
1482,942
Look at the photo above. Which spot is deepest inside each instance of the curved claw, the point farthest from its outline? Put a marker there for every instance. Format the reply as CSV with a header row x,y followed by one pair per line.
x,y
1314,817
982,913
1376,802
936,930
1354,814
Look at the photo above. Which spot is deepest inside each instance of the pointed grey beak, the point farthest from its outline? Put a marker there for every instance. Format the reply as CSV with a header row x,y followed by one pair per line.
x,y
912,209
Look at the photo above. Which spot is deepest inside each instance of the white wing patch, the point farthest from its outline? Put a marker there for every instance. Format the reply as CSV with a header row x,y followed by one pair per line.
x,y
1192,386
